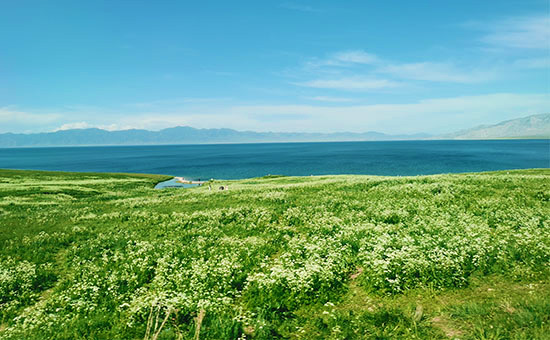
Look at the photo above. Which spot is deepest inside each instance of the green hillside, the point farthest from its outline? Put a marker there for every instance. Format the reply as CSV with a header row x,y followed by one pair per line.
x,y
106,256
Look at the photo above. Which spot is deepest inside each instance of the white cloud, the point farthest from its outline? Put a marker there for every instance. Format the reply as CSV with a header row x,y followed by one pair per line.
x,y
331,99
9,114
435,115
355,69
354,84
526,33
347,58
366,66
437,72
355,57
86,125
534,63
160,121
15,120
176,102
70,126
428,115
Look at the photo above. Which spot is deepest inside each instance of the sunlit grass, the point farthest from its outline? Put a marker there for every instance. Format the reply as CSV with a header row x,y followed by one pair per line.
x,y
86,255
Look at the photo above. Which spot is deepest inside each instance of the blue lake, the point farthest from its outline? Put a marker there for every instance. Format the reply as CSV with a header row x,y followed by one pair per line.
x,y
233,161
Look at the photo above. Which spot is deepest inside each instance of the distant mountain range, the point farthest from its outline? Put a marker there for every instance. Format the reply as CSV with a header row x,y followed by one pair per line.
x,y
182,135
536,126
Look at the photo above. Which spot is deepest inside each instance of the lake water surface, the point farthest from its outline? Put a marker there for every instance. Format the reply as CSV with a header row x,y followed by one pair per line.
x,y
233,161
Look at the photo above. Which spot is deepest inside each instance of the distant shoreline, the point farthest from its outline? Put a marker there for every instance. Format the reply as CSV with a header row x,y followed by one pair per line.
x,y
276,142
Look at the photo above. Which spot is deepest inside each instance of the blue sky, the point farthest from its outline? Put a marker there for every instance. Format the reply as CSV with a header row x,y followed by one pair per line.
x,y
389,66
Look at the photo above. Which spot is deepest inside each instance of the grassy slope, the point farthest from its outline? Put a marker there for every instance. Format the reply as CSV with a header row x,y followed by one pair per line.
x,y
450,256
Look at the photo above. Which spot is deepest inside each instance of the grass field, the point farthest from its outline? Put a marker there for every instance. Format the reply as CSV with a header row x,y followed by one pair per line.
x,y
105,256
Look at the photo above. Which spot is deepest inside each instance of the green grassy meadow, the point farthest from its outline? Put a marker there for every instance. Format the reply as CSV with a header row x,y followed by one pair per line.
x,y
106,256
